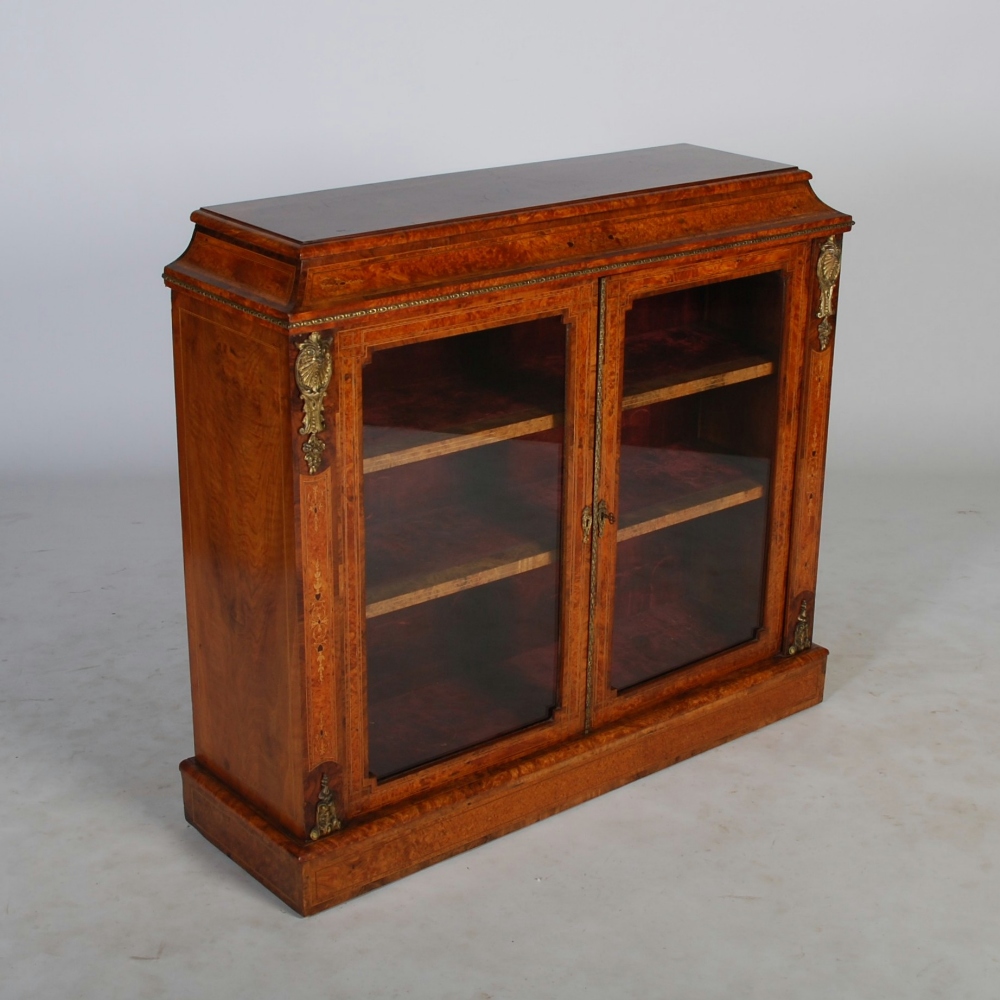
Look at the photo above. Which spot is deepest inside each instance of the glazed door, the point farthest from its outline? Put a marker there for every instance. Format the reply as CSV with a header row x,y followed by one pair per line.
x,y
690,482
472,453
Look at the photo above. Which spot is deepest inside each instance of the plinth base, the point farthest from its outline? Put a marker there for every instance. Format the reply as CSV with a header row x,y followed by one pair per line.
x,y
372,850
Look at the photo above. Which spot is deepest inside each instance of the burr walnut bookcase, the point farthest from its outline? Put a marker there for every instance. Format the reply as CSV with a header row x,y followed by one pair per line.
x,y
500,489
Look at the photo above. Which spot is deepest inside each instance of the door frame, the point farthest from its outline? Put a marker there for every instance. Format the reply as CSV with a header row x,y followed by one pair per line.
x,y
575,303
605,704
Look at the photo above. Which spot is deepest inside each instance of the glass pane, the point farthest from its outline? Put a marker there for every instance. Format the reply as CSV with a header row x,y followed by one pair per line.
x,y
697,442
462,492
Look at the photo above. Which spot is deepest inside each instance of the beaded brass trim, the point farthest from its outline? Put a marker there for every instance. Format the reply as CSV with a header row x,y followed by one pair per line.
x,y
222,300
595,535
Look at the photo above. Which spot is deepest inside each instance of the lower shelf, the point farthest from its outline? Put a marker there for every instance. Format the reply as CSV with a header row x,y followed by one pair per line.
x,y
447,675
664,487
371,851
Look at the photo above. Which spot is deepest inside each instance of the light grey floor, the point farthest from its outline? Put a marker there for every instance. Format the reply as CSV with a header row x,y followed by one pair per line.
x,y
850,851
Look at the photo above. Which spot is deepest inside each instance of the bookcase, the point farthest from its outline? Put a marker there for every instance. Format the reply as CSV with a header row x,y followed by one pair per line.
x,y
499,489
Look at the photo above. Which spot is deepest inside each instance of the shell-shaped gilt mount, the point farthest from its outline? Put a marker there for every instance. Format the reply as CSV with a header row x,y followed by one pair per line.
x,y
326,812
313,368
828,272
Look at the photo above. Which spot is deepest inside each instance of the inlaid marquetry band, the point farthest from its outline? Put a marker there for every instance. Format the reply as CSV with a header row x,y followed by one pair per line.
x,y
467,293
316,530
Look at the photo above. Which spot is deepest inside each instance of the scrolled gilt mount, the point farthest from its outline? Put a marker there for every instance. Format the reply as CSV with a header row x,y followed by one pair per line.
x,y
313,368
828,271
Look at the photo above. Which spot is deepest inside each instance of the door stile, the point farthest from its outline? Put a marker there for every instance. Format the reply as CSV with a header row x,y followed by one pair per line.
x,y
604,545
819,299
349,359
583,362
784,477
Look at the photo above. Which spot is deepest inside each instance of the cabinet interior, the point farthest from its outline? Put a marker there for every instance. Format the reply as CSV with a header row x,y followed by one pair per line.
x,y
463,461
463,475
694,473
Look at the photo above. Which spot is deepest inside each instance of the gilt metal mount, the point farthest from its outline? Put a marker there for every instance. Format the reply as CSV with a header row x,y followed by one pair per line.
x,y
601,516
326,812
313,368
828,271
802,638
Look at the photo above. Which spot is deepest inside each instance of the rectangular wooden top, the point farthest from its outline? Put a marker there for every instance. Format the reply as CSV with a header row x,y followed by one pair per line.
x,y
421,201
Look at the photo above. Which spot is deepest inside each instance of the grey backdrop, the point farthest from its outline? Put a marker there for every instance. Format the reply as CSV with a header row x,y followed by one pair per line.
x,y
847,852
120,118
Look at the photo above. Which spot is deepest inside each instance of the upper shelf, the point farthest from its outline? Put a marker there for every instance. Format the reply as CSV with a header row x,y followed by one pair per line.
x,y
657,390
389,447
406,445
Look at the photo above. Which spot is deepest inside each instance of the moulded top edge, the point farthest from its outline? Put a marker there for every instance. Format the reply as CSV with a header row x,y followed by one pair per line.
x,y
337,213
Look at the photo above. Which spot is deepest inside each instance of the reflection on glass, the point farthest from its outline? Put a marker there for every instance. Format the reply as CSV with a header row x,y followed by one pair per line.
x,y
697,442
462,494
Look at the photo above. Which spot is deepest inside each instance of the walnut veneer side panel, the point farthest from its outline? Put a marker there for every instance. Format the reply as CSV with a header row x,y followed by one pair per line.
x,y
240,575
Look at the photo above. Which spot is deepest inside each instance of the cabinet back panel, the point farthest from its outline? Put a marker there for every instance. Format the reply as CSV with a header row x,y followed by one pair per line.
x,y
694,475
688,592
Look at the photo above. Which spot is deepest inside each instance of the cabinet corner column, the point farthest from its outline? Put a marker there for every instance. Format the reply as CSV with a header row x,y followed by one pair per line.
x,y
312,440
810,463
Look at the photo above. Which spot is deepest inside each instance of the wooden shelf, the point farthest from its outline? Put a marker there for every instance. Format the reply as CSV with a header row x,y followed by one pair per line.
x,y
447,444
407,592
416,590
417,445
687,508
709,377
